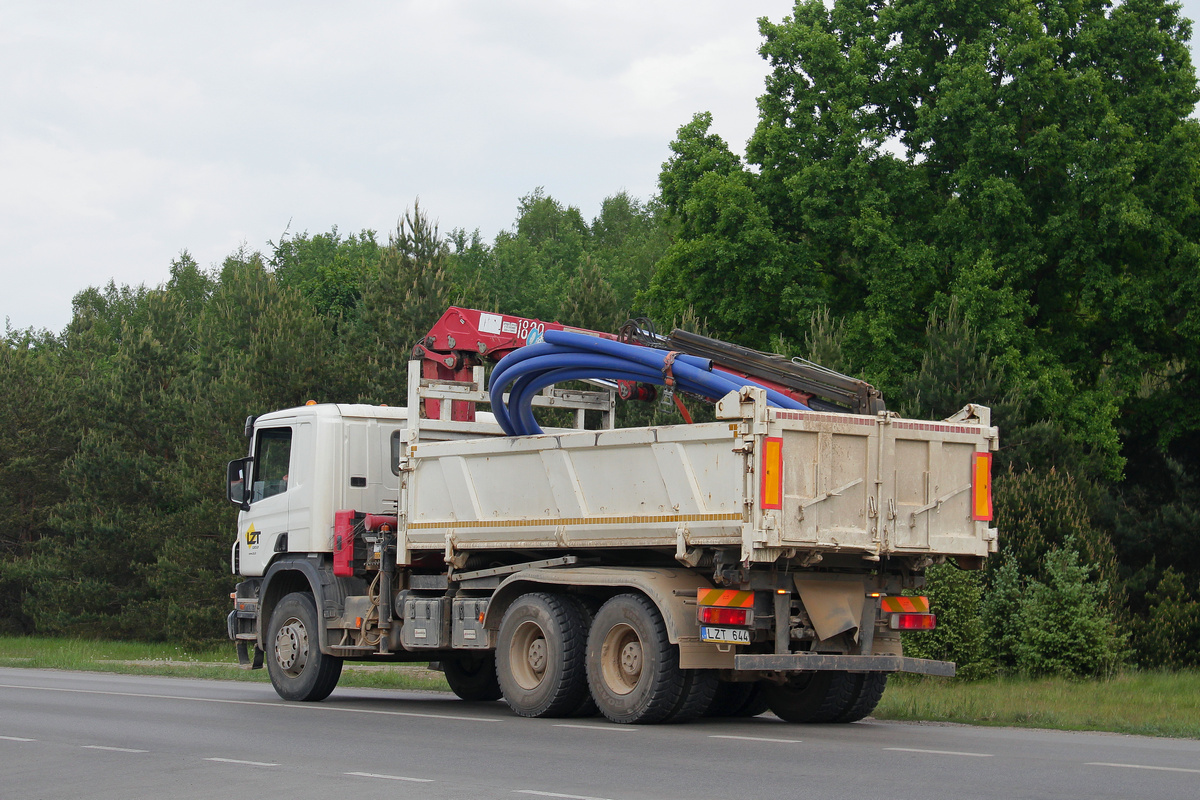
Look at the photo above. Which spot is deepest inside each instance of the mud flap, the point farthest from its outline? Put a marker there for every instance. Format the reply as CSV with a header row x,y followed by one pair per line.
x,y
834,603
244,658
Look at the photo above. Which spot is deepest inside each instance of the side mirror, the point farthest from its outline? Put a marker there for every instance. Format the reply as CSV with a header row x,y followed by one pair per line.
x,y
238,488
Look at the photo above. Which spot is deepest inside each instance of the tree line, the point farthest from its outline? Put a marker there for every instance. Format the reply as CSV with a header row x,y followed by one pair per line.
x,y
993,203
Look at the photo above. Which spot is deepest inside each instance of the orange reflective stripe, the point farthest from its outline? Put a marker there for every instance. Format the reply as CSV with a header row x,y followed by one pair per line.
x,y
725,598
981,487
770,492
905,605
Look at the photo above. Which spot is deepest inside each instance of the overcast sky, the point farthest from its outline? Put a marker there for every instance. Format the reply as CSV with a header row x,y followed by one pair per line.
x,y
132,131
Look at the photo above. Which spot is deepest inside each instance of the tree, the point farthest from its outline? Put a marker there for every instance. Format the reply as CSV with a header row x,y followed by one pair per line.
x,y
1033,159
402,298
728,264
327,269
35,440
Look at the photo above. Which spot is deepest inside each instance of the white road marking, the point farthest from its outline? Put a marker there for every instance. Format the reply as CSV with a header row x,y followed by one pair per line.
x,y
16,739
280,704
939,752
614,728
247,763
1141,766
114,749
556,794
390,777
755,739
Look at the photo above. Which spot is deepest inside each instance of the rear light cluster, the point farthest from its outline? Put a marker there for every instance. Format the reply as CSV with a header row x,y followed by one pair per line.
x,y
715,615
913,622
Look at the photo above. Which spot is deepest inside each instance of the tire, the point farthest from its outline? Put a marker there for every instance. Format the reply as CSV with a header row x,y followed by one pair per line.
x,y
755,704
298,668
811,697
587,606
700,685
632,668
869,690
540,656
730,698
473,677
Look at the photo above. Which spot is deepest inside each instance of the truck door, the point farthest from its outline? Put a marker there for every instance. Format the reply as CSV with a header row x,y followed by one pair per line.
x,y
260,528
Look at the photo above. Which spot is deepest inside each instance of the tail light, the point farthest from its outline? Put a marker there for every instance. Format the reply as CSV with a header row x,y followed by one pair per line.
x,y
913,622
714,615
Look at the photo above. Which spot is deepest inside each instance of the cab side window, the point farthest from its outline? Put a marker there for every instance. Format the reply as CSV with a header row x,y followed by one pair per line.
x,y
272,455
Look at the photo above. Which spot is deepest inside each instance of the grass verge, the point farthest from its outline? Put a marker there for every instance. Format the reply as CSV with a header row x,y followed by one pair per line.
x,y
218,662
1145,703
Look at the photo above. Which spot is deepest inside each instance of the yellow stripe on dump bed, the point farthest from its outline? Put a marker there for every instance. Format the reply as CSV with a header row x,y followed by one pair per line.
x,y
905,605
726,598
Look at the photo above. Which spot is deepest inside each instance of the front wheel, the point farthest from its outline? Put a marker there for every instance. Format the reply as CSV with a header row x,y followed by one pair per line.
x,y
298,668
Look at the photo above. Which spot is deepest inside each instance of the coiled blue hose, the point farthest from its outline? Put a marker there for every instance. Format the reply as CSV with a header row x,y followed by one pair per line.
x,y
567,356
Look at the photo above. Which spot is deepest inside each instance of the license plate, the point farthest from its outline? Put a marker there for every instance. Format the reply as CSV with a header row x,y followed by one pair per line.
x,y
730,635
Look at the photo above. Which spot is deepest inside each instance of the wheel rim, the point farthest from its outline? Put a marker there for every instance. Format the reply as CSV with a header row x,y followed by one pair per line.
x,y
291,646
621,659
527,655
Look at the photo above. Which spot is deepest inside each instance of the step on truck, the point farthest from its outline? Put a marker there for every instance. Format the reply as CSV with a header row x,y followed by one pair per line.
x,y
767,559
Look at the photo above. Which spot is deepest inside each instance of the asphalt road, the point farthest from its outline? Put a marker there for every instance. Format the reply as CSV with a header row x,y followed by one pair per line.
x,y
88,735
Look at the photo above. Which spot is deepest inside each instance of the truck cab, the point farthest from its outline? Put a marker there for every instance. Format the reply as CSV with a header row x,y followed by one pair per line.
x,y
305,463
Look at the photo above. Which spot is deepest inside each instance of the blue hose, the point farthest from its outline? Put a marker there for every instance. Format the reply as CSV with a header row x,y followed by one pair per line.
x,y
567,356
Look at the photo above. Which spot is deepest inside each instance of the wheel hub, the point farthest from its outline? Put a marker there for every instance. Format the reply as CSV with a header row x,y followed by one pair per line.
x,y
537,656
631,660
621,659
529,655
291,645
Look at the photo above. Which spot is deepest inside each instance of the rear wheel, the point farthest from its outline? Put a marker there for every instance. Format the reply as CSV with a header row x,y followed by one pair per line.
x,y
869,690
587,606
811,696
699,688
755,704
473,677
540,656
730,698
298,668
632,668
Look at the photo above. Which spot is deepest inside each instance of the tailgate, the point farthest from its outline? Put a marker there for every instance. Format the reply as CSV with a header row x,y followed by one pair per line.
x,y
871,485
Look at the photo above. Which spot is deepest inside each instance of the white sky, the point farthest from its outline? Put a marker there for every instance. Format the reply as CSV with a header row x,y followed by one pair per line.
x,y
132,131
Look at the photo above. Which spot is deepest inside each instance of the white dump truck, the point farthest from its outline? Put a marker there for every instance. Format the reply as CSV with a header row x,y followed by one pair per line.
x,y
770,558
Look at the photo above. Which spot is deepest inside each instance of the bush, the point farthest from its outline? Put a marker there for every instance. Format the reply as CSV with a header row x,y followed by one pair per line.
x,y
1169,635
954,596
1039,510
1065,626
1062,626
1000,612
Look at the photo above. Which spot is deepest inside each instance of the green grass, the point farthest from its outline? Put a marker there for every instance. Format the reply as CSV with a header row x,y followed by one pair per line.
x,y
218,662
1146,703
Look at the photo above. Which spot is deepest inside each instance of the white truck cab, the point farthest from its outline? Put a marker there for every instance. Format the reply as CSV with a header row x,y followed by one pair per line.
x,y
305,463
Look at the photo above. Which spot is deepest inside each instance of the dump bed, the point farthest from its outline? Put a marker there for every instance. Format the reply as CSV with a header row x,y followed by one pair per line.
x,y
767,481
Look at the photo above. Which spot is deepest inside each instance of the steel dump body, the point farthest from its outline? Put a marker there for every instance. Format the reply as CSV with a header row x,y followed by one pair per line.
x,y
876,486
